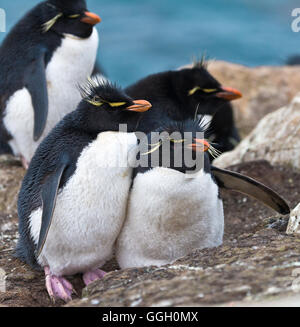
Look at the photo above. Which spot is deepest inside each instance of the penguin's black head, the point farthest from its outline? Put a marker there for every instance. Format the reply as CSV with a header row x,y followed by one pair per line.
x,y
69,17
106,106
196,87
181,146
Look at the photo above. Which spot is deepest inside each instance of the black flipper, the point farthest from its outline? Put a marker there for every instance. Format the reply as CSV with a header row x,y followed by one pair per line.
x,y
237,182
5,148
36,83
49,194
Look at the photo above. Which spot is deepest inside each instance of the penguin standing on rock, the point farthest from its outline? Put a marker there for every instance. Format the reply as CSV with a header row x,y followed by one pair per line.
x,y
45,56
185,93
73,199
170,213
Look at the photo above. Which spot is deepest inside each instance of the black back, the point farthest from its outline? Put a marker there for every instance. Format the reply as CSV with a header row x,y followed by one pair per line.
x,y
63,139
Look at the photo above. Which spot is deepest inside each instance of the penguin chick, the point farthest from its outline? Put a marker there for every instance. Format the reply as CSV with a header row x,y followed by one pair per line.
x,y
73,199
45,56
185,94
171,213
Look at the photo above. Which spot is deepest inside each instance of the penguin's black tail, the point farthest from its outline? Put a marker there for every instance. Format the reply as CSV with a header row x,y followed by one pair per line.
x,y
22,253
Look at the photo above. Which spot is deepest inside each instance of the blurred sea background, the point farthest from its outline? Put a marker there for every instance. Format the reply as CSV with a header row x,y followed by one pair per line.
x,y
141,37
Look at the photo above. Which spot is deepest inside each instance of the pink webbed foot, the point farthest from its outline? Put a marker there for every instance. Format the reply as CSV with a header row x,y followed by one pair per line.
x,y
91,276
58,287
25,163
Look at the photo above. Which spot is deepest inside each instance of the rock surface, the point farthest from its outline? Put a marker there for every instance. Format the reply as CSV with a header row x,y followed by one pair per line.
x,y
11,175
242,269
265,89
257,261
294,222
276,139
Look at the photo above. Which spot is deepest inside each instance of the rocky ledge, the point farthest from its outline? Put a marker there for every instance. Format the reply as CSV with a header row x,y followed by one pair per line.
x,y
252,267
276,138
258,262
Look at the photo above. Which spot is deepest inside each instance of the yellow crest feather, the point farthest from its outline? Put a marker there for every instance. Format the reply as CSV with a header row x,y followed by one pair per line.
x,y
47,26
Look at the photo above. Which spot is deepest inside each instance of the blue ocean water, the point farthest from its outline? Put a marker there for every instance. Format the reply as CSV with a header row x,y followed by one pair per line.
x,y
140,37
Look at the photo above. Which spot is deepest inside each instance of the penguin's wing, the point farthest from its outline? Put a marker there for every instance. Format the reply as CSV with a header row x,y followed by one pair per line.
x,y
49,194
36,83
237,182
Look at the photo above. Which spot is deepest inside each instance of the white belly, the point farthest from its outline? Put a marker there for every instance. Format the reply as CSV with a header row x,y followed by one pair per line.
x,y
90,210
169,216
70,65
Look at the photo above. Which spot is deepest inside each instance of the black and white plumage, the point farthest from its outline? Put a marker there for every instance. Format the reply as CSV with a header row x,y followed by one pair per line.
x,y
171,213
42,60
73,198
185,93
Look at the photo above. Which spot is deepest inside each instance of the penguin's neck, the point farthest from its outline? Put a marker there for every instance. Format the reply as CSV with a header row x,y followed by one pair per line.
x,y
163,85
178,92
152,88
169,95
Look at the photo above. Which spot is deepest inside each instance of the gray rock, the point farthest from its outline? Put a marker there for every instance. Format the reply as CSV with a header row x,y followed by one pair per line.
x,y
276,139
265,89
242,269
11,175
294,222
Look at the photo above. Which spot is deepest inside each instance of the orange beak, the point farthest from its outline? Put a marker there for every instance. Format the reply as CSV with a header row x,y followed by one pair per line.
x,y
91,18
229,94
140,106
199,146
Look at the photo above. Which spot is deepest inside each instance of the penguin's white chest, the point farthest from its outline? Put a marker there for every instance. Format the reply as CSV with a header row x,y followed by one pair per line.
x,y
69,66
169,215
90,209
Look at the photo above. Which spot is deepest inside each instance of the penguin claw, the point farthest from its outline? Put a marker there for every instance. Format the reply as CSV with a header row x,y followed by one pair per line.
x,y
91,276
25,163
58,287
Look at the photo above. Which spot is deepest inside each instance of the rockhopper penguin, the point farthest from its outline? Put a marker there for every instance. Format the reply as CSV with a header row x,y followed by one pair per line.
x,y
73,199
171,213
185,93
45,56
